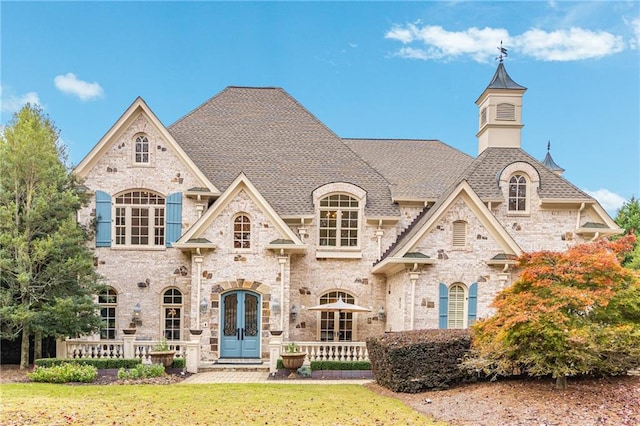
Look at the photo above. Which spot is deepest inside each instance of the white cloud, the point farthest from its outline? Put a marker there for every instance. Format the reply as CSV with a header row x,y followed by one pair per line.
x,y
10,103
610,201
436,43
634,41
568,45
69,83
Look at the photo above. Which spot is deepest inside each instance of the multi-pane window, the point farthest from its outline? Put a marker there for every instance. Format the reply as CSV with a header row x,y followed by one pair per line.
x,y
456,307
108,301
172,313
139,219
336,326
242,232
517,193
142,149
339,221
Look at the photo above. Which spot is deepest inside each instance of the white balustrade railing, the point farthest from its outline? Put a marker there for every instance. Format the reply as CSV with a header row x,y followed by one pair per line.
x,y
77,348
333,351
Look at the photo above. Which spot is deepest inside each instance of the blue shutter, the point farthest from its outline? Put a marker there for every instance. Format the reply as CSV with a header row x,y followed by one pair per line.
x,y
103,218
472,310
173,229
443,308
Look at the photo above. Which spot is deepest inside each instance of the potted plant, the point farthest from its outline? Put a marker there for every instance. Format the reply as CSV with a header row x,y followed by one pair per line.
x,y
162,354
131,329
292,358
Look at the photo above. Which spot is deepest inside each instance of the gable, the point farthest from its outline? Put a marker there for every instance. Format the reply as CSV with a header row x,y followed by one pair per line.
x,y
115,154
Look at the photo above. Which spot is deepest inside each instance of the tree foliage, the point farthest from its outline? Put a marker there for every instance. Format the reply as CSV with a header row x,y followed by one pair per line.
x,y
570,313
46,271
628,218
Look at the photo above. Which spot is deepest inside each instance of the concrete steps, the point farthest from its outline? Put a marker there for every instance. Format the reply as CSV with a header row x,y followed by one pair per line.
x,y
235,365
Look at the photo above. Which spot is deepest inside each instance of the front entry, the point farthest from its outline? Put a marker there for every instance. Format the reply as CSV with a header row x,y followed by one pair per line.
x,y
240,325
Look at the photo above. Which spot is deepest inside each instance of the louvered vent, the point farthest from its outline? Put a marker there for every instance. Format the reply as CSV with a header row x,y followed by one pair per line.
x,y
483,117
459,233
506,112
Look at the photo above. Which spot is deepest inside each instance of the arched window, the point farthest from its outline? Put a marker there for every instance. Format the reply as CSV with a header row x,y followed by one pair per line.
x,y
108,302
172,313
339,215
142,149
459,233
336,326
518,193
242,232
139,219
456,306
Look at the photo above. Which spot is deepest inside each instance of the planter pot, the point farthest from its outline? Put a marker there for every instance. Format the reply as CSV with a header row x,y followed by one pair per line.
x,y
129,331
276,332
195,332
292,361
162,357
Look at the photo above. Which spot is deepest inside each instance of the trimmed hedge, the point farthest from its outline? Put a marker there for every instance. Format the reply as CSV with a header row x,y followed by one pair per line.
x,y
414,361
141,371
99,363
333,365
64,373
340,365
178,363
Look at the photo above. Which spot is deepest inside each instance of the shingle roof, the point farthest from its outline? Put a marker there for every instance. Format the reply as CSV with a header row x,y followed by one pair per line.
x,y
417,169
283,149
482,175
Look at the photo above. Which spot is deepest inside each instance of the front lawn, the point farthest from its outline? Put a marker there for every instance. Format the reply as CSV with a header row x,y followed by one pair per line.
x,y
214,404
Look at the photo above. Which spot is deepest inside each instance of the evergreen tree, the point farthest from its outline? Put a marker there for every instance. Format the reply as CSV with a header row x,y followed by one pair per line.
x,y
628,218
47,277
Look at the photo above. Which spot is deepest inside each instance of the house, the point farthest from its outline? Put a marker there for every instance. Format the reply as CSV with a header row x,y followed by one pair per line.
x,y
232,222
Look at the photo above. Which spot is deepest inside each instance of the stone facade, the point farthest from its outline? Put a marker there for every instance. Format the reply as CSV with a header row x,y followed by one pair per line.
x,y
405,268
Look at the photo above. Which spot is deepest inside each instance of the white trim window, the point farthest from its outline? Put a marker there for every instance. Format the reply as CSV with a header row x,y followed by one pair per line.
x,y
457,307
141,154
139,219
172,314
108,302
518,194
241,232
339,221
336,326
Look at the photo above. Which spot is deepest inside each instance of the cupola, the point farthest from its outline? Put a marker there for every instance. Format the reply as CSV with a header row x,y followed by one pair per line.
x,y
500,112
550,164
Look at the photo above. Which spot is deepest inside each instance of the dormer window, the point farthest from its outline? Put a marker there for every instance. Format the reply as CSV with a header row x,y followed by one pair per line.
x,y
518,193
242,232
142,149
339,225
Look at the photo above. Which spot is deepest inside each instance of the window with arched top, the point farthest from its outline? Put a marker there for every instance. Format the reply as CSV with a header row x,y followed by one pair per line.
x,y
339,221
172,314
336,326
139,219
108,302
458,305
517,193
242,232
141,149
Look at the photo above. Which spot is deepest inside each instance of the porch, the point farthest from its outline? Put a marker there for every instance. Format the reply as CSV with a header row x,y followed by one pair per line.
x,y
128,348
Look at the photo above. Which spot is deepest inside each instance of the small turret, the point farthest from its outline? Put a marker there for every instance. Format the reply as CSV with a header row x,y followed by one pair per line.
x,y
500,111
550,164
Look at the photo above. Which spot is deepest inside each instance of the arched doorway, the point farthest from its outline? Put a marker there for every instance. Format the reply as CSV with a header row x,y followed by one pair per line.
x,y
240,325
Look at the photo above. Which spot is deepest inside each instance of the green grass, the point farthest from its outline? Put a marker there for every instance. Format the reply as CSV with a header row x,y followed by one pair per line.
x,y
213,404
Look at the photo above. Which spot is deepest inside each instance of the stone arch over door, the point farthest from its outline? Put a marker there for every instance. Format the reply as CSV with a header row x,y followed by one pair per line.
x,y
222,287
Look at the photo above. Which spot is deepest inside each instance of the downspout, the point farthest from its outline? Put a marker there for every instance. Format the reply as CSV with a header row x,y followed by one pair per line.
x,y
578,218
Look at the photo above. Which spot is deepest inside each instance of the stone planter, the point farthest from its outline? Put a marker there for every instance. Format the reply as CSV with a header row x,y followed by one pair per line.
x,y
292,361
162,357
129,331
195,332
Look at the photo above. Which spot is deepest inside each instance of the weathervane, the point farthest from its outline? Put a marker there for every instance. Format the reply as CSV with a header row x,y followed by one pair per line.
x,y
503,52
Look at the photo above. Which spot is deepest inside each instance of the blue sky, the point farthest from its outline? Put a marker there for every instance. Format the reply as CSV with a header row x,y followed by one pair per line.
x,y
365,69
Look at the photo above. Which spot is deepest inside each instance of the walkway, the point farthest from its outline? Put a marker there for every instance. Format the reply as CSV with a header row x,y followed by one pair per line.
x,y
260,377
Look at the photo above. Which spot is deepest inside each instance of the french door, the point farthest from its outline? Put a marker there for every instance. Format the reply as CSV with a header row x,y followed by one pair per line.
x,y
240,325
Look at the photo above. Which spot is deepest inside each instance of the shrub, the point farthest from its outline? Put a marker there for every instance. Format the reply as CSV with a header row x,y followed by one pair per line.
x,y
141,371
64,373
414,361
99,363
340,365
178,363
